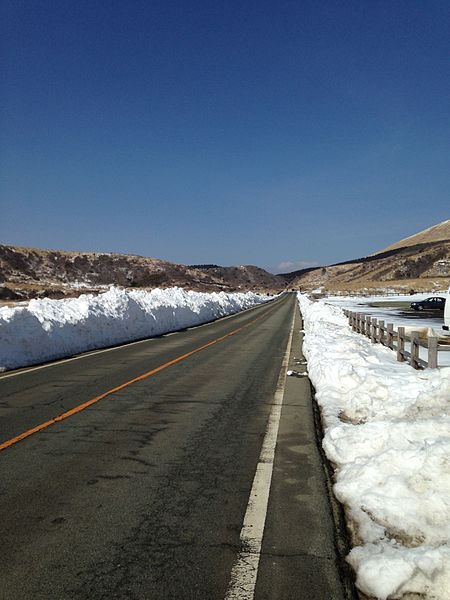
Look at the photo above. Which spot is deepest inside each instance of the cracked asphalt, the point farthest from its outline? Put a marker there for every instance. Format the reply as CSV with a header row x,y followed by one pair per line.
x,y
142,495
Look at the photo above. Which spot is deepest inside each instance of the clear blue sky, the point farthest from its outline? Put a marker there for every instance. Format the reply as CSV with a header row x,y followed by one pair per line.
x,y
254,132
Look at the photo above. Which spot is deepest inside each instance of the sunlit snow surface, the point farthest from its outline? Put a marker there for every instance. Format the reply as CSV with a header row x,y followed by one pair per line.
x,y
391,314
409,319
387,432
47,329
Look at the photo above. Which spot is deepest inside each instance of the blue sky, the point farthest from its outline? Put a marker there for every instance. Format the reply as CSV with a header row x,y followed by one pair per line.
x,y
279,133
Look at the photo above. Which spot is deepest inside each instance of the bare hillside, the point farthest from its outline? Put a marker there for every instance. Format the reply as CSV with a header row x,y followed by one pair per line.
x,y
31,272
420,262
439,232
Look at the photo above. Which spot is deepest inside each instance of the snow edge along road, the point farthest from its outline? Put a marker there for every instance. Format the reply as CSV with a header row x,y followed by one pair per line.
x,y
87,353
12,441
46,330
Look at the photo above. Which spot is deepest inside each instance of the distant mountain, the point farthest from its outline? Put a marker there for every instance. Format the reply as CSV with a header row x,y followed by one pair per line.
x,y
419,262
30,272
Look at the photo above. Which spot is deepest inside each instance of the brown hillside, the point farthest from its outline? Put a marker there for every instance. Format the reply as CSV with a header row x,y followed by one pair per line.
x,y
420,262
437,233
30,273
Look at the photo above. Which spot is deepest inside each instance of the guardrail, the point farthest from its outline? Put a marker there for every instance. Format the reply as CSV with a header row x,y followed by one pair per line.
x,y
379,332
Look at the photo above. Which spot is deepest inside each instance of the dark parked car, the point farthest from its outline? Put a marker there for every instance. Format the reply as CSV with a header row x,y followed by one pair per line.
x,y
434,303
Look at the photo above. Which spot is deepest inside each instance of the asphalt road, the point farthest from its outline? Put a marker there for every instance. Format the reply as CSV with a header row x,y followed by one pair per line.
x,y
142,495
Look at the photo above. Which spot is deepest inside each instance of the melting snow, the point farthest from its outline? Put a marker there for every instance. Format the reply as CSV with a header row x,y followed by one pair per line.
x,y
47,329
387,432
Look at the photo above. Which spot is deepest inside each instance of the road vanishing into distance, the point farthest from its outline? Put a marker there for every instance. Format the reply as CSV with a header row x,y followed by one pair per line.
x,y
143,487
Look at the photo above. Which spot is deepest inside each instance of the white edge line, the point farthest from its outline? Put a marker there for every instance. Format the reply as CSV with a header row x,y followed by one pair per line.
x,y
86,354
245,569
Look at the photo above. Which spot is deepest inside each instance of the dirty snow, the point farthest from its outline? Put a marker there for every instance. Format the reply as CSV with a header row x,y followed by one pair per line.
x,y
387,433
47,329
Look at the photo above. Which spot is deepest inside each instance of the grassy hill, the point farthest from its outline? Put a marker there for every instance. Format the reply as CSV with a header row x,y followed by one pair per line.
x,y
420,262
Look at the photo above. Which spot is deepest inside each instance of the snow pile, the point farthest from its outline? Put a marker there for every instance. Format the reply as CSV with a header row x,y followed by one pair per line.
x,y
48,329
387,431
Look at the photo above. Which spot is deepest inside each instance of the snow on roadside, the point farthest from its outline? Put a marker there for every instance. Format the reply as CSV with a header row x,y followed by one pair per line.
x,y
392,314
387,432
47,329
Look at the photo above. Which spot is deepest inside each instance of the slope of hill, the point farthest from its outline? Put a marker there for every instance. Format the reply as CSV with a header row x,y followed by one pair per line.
x,y
420,262
437,233
30,273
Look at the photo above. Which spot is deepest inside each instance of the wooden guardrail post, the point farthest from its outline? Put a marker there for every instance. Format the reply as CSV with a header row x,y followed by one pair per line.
x,y
414,358
368,326
381,332
390,335
432,352
374,332
400,344
363,324
359,323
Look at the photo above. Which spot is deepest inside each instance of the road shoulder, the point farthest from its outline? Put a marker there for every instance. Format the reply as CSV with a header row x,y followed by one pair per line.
x,y
300,557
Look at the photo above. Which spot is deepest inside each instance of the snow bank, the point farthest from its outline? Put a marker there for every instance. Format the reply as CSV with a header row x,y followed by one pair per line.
x,y
387,431
48,329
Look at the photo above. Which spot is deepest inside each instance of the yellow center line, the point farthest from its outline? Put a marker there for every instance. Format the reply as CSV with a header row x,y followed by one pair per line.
x,y
84,405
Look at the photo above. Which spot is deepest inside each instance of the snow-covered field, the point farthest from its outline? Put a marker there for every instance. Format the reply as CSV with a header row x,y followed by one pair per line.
x,y
47,329
411,320
391,314
387,432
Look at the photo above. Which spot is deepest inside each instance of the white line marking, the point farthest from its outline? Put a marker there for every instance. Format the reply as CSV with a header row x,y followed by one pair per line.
x,y
245,570
100,351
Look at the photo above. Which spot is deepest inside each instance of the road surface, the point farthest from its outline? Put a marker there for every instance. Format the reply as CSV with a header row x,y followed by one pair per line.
x,y
140,492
